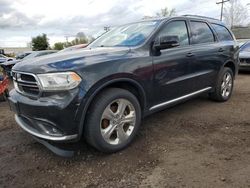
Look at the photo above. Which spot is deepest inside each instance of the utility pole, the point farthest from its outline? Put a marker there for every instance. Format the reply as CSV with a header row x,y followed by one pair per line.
x,y
222,5
106,28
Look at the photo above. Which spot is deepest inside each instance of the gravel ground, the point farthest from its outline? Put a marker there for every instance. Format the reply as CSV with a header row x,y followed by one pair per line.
x,y
200,143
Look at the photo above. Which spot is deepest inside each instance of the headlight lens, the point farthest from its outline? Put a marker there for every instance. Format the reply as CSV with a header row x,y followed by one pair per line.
x,y
59,81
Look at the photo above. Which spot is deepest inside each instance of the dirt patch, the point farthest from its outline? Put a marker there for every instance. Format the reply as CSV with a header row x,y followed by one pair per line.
x,y
200,143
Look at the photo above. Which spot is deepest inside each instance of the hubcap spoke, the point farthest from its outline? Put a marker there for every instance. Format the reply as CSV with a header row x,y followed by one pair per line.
x,y
228,78
129,118
108,114
108,131
224,92
121,107
121,135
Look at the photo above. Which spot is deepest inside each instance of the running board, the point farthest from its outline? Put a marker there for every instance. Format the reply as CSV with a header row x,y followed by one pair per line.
x,y
180,98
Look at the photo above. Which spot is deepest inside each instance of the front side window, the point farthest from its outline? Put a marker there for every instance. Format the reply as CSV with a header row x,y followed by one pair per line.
x,y
128,35
222,32
177,28
201,33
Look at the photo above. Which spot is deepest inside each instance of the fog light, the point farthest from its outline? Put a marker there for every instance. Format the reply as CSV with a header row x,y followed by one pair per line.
x,y
48,129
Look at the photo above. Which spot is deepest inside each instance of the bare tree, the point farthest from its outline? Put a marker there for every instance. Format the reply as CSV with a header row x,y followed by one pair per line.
x,y
235,14
165,12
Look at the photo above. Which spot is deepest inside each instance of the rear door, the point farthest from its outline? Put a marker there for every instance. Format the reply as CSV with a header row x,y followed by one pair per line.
x,y
228,47
205,50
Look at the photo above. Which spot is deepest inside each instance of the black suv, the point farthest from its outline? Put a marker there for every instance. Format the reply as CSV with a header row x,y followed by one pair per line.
x,y
102,92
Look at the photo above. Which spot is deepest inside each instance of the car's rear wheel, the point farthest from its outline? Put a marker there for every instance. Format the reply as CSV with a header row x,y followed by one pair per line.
x,y
113,120
224,86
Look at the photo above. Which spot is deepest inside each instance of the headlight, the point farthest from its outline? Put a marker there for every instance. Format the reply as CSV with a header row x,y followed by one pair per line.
x,y
59,81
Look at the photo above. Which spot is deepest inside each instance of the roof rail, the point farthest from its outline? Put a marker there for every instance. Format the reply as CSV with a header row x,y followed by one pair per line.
x,y
197,16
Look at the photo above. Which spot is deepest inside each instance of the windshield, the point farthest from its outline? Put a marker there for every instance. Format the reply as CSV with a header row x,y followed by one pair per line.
x,y
21,56
127,35
245,47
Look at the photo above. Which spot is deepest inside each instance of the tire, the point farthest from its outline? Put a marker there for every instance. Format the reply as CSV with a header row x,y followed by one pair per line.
x,y
105,126
3,97
221,83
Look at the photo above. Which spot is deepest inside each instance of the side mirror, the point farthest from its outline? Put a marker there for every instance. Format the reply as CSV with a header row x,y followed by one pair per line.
x,y
165,42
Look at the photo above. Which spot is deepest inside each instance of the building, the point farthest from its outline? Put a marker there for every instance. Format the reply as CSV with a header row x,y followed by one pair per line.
x,y
242,32
15,50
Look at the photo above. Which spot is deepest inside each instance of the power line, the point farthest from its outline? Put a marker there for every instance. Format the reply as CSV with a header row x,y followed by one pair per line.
x,y
222,5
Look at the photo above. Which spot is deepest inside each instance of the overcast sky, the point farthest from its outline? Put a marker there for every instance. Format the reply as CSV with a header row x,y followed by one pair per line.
x,y
22,19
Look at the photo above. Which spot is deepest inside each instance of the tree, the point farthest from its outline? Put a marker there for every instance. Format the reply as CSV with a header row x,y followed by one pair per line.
x,y
80,35
81,38
58,46
235,14
41,42
165,12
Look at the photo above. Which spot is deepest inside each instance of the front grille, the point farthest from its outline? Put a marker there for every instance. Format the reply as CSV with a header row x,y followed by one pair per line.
x,y
244,61
26,84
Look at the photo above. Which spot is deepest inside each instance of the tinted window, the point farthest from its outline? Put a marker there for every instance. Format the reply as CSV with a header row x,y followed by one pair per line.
x,y
178,28
222,32
201,33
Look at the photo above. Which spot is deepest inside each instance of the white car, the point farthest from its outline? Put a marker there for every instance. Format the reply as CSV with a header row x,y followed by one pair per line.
x,y
4,58
244,55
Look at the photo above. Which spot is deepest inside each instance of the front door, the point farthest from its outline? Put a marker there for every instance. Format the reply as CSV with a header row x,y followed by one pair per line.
x,y
171,65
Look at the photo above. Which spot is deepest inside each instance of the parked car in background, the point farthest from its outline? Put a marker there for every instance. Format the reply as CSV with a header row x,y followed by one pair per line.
x,y
23,55
4,58
244,55
76,47
7,66
102,92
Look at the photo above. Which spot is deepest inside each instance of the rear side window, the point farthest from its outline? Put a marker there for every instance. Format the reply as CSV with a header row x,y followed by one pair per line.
x,y
222,32
201,33
178,28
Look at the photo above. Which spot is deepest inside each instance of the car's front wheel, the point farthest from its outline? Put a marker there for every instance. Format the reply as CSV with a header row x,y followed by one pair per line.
x,y
224,85
113,120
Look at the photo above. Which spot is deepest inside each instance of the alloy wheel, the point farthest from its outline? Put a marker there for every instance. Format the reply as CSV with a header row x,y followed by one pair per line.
x,y
118,121
226,86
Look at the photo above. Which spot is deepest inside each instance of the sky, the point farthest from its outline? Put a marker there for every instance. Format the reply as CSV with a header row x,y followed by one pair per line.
x,y
20,20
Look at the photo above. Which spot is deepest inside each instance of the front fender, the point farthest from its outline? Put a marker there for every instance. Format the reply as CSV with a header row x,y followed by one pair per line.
x,y
100,85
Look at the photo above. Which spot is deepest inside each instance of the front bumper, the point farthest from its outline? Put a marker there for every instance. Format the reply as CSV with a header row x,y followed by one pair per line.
x,y
31,130
51,118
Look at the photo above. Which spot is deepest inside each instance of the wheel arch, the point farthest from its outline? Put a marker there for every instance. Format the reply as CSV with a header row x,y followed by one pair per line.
x,y
129,84
232,66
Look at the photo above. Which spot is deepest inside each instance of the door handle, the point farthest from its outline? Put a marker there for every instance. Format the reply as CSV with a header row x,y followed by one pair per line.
x,y
221,50
190,54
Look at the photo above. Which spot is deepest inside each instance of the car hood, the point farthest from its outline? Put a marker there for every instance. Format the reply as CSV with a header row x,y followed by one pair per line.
x,y
71,60
244,55
2,60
